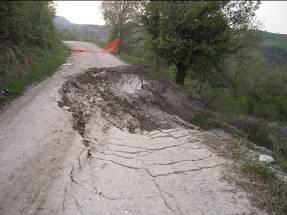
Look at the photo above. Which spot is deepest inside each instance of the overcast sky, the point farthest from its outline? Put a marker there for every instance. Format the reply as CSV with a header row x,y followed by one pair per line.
x,y
272,14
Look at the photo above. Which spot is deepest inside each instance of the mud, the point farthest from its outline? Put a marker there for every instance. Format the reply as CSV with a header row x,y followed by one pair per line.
x,y
122,96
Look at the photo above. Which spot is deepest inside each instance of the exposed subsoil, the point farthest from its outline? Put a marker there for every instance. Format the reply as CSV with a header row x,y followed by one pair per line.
x,y
98,88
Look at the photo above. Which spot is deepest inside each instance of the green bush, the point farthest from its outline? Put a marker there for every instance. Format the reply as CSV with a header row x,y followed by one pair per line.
x,y
224,101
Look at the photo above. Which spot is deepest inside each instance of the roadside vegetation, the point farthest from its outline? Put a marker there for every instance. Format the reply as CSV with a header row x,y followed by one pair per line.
x,y
273,192
31,49
47,64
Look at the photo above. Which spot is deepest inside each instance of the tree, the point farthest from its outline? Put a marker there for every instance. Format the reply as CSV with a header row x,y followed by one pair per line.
x,y
26,33
120,15
185,32
27,22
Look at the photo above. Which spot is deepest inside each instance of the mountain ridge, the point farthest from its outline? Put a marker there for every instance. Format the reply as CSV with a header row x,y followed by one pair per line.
x,y
81,32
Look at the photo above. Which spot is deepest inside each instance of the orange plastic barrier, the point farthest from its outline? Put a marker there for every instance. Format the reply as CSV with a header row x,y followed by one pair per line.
x,y
111,47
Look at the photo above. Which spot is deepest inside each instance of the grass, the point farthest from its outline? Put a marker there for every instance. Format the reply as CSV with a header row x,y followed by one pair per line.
x,y
280,159
205,120
47,65
131,59
259,171
164,71
274,195
209,120
101,43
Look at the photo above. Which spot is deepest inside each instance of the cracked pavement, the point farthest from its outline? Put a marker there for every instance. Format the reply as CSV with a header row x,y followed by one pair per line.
x,y
107,154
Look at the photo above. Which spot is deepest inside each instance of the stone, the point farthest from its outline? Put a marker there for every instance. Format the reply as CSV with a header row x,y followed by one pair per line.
x,y
266,159
66,108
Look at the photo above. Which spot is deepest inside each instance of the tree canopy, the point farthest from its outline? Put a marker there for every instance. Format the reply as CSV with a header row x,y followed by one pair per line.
x,y
27,37
186,32
27,22
120,14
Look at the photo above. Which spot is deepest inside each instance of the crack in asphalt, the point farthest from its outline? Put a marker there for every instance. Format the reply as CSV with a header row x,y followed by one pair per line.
x,y
72,175
160,192
177,172
133,147
168,173
158,137
115,154
120,164
172,130
127,152
101,194
156,149
78,206
150,149
64,199
79,159
180,161
163,198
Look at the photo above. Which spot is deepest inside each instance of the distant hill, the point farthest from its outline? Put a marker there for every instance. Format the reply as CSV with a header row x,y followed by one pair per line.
x,y
60,21
80,32
274,48
274,40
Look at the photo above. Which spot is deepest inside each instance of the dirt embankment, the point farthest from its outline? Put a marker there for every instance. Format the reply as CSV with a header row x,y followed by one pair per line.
x,y
98,87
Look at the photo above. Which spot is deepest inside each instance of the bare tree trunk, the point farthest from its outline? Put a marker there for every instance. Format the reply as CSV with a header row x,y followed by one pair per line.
x,y
156,64
181,73
201,83
120,37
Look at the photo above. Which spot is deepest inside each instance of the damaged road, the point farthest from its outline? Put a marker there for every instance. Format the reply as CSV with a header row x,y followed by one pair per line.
x,y
92,140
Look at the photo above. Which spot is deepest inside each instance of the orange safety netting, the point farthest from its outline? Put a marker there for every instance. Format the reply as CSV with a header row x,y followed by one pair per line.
x,y
111,47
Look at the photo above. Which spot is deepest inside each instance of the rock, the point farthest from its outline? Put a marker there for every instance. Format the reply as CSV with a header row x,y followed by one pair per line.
x,y
66,108
266,159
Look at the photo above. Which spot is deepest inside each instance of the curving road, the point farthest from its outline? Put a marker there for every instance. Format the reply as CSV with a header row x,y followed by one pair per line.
x,y
45,168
